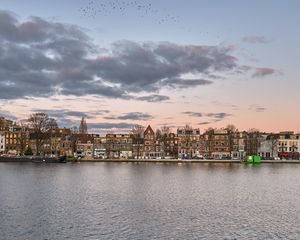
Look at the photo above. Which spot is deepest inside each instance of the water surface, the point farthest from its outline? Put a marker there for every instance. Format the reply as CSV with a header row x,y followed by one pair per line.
x,y
149,201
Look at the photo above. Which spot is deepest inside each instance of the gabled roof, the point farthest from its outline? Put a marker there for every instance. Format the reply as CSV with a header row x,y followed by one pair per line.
x,y
149,130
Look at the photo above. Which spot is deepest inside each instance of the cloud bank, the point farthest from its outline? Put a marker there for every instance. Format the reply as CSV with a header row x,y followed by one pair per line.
x,y
40,58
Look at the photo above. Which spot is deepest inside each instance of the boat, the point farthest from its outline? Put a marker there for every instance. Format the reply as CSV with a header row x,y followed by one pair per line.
x,y
253,159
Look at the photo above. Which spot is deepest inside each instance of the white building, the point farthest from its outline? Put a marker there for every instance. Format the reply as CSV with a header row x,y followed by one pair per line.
x,y
2,142
268,147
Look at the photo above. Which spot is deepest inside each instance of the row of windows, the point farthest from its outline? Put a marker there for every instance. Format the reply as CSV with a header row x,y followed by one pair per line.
x,y
290,143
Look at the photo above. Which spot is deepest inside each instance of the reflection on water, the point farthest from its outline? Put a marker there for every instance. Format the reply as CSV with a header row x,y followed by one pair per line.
x,y
149,201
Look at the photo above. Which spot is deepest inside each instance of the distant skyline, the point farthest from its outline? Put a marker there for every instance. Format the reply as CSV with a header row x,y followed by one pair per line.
x,y
119,63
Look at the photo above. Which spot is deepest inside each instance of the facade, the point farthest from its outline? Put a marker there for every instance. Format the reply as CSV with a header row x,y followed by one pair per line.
x,y
65,146
253,142
16,140
100,147
119,146
168,146
238,145
288,145
150,144
5,124
83,145
220,144
188,142
2,142
268,147
137,147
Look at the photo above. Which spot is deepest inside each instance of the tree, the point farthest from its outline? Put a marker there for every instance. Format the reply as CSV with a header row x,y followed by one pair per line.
x,y
162,136
253,141
41,125
231,128
158,134
28,152
273,141
165,130
23,136
138,130
53,134
74,130
138,134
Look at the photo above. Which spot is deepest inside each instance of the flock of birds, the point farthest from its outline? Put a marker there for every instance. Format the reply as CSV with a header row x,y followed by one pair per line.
x,y
143,8
137,8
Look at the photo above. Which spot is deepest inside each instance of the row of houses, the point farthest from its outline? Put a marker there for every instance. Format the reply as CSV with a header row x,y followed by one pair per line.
x,y
186,143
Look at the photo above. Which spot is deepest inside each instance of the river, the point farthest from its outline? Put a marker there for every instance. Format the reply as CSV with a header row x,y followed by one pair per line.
x,y
149,201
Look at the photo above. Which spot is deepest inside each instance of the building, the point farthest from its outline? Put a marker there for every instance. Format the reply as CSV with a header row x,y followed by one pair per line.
x,y
5,124
2,142
16,140
63,143
253,142
268,147
100,147
217,144
238,145
119,146
150,144
188,142
288,145
137,146
84,144
167,145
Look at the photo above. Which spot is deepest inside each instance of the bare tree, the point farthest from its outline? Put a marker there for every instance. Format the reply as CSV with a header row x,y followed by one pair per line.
x,y
231,128
138,134
253,141
53,135
274,141
74,130
165,130
23,136
40,124
158,134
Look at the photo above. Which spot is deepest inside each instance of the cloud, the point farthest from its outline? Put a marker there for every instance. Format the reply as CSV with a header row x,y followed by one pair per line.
x,y
215,116
204,123
262,72
218,116
65,117
41,58
109,126
185,83
194,114
62,113
255,39
257,108
153,98
132,116
8,115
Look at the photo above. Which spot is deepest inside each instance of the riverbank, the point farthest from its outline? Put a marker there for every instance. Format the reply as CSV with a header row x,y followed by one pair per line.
x,y
48,160
185,161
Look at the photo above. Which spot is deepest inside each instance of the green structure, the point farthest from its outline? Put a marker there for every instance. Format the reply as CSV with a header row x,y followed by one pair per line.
x,y
253,159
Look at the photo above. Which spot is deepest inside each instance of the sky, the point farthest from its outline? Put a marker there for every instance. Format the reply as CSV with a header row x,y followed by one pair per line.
x,y
160,62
